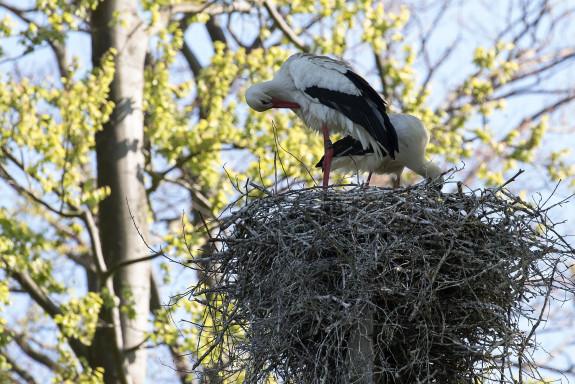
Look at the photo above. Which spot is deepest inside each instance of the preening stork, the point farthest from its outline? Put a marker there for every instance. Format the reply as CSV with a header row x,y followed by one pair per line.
x,y
330,98
413,137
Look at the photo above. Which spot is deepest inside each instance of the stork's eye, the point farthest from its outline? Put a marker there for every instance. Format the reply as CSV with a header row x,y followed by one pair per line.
x,y
264,102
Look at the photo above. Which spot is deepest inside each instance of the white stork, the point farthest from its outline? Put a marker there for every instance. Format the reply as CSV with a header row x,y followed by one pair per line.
x,y
330,98
350,155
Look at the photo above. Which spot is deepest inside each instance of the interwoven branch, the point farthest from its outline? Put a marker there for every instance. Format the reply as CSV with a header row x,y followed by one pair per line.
x,y
412,284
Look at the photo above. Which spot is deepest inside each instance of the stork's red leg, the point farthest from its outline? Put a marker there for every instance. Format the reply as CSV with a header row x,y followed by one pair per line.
x,y
368,179
397,181
328,155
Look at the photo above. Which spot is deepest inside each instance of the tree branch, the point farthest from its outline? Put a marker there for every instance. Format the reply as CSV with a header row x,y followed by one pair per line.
x,y
20,371
285,28
210,8
22,340
82,258
125,263
189,55
110,272
96,245
192,60
62,57
381,71
38,295
216,31
550,108
23,191
432,68
545,63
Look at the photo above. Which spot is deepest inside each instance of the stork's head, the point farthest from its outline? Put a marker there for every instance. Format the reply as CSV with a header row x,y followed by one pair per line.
x,y
259,98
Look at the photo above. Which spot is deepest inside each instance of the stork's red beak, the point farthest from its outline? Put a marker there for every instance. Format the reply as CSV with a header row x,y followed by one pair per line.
x,y
278,103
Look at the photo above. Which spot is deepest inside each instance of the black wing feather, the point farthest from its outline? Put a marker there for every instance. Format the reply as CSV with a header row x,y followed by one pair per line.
x,y
367,110
348,146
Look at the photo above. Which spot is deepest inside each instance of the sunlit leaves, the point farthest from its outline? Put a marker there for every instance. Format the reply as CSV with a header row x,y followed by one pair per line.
x,y
129,306
302,6
476,102
492,177
108,299
51,128
60,17
47,131
79,317
22,251
378,22
166,123
4,301
5,369
560,168
524,149
190,337
6,28
483,58
71,374
494,70
182,243
167,333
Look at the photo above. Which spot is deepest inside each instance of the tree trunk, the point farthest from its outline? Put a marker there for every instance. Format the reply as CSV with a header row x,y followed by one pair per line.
x,y
115,24
361,353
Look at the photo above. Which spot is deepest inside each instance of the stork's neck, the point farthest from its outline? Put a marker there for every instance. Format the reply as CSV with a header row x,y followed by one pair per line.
x,y
280,88
429,170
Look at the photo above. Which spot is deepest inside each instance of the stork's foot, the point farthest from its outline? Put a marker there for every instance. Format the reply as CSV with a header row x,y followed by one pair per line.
x,y
368,180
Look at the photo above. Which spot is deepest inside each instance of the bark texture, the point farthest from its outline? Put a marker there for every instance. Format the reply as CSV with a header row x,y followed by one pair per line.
x,y
116,24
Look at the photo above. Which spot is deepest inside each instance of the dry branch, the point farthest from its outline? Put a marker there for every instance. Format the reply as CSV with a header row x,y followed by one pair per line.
x,y
428,286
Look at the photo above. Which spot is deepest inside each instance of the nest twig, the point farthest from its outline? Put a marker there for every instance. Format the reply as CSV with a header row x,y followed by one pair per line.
x,y
376,285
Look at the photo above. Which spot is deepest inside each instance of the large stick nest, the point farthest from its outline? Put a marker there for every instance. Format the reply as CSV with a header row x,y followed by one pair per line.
x,y
376,285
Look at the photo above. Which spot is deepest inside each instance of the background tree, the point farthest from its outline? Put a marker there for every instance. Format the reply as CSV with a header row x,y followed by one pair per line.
x,y
116,109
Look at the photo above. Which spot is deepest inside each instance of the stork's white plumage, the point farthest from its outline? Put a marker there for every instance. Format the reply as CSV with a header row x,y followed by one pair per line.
x,y
330,98
413,137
